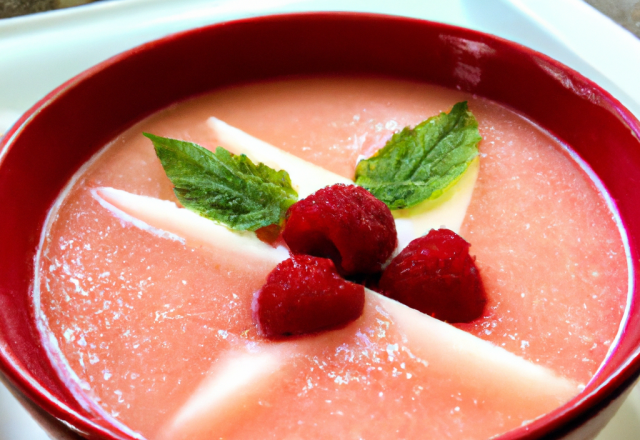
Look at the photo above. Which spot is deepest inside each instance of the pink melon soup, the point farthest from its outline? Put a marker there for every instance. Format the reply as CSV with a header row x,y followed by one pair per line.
x,y
139,322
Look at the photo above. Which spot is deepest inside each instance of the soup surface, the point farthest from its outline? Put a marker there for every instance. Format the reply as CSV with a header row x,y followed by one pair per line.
x,y
137,322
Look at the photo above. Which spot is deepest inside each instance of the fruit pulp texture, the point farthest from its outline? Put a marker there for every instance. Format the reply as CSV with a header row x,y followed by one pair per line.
x,y
141,319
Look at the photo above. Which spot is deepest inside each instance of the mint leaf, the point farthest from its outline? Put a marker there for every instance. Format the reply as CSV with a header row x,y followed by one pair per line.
x,y
225,188
421,163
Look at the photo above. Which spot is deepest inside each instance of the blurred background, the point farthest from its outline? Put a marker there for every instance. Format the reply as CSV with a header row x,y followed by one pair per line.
x,y
15,422
624,12
15,8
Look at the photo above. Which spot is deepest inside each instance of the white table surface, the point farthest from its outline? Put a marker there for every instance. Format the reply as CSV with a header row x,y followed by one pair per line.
x,y
39,52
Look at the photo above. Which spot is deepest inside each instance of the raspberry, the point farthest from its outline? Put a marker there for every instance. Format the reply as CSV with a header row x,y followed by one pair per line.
x,y
436,275
305,294
345,223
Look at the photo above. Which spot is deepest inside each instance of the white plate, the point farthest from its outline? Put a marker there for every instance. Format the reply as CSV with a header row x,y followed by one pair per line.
x,y
39,52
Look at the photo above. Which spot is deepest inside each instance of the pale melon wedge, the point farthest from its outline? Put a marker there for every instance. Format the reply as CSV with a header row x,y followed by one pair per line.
x,y
164,218
476,362
236,388
306,177
506,383
233,386
447,211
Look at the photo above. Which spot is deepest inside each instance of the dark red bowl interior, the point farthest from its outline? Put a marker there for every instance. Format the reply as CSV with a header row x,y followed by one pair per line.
x,y
60,133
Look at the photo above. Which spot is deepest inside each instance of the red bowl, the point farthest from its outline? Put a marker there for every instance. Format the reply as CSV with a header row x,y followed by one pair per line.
x,y
55,137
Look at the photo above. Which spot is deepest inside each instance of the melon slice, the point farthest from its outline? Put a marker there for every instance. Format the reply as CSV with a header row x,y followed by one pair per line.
x,y
243,389
306,177
231,389
159,216
445,359
448,210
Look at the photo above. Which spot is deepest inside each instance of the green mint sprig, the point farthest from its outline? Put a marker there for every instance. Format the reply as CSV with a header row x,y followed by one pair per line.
x,y
421,163
223,187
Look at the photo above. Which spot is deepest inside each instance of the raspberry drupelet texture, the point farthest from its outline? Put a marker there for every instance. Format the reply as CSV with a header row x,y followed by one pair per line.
x,y
305,294
345,223
436,275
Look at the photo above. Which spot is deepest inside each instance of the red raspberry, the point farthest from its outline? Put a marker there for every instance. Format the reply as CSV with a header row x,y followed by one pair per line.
x,y
436,275
345,223
305,294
